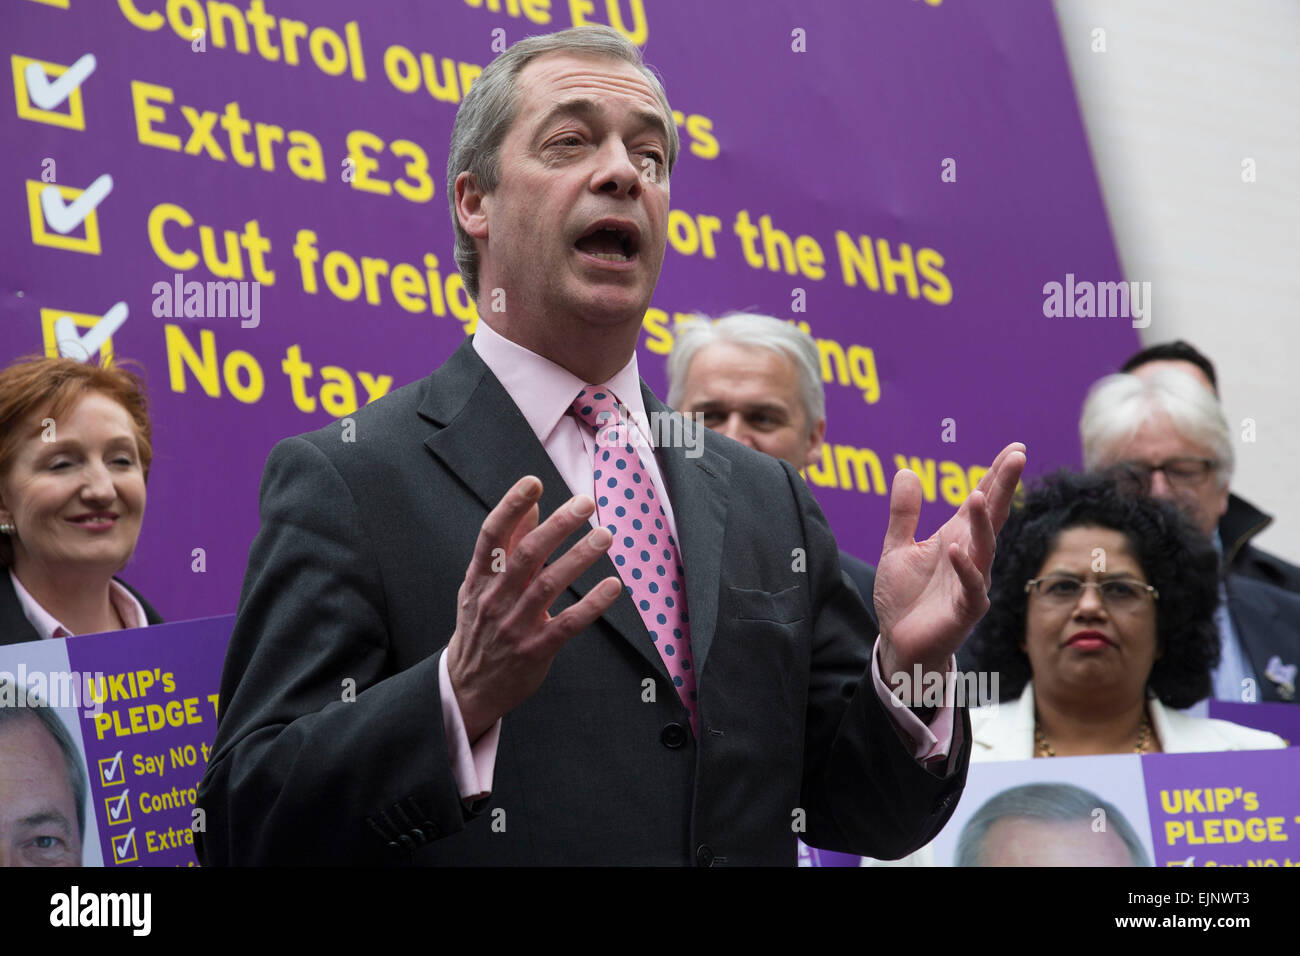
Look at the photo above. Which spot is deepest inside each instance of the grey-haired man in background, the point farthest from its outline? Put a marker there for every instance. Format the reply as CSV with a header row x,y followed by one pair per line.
x,y
758,381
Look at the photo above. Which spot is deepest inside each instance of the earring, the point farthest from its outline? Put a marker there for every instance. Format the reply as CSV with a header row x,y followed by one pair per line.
x,y
7,528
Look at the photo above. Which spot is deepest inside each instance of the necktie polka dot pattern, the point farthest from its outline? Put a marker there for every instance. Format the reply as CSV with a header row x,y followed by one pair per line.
x,y
643,551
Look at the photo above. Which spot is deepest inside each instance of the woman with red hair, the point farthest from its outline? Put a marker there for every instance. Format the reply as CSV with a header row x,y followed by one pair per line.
x,y
74,459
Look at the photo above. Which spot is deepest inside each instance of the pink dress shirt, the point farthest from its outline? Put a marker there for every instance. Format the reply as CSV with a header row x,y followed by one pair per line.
x,y
544,391
47,627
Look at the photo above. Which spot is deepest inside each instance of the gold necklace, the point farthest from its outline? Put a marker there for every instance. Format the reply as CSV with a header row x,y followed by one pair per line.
x,y
1143,746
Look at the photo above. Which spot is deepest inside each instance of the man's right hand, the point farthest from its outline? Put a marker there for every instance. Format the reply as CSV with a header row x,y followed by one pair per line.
x,y
505,638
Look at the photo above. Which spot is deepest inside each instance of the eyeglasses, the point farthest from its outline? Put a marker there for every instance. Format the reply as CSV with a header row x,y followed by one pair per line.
x,y
1182,473
1118,594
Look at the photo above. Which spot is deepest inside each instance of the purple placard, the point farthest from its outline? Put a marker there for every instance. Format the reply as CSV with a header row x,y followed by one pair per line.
x,y
1280,719
812,856
147,750
1240,808
933,156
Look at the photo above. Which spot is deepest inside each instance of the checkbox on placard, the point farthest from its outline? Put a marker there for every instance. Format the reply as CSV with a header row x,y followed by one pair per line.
x,y
124,847
43,233
111,771
75,346
118,809
54,86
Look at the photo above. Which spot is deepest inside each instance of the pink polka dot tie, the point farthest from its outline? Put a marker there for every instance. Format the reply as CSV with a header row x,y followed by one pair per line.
x,y
643,551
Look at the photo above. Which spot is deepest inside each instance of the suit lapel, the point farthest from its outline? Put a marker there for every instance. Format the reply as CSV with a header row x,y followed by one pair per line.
x,y
488,444
697,489
1256,621
14,626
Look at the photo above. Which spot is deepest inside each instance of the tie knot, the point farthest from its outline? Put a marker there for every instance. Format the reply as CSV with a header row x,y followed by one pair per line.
x,y
597,406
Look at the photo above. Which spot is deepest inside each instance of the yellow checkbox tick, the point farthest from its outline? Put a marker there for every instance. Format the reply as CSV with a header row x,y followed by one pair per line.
x,y
74,118
124,850
118,809
111,770
42,235
82,320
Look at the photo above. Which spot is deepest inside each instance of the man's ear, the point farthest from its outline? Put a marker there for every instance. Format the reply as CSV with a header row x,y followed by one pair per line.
x,y
471,206
815,443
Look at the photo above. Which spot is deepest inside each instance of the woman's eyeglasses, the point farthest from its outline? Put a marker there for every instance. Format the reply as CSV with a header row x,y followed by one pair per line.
x,y
1063,590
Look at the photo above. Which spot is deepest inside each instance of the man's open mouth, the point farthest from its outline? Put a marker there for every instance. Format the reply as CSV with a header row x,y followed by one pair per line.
x,y
610,241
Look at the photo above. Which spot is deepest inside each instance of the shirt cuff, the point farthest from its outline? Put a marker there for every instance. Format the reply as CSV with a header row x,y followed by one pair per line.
x,y
930,743
471,767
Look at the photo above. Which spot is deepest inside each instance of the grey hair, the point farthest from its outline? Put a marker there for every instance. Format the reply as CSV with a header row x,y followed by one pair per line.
x,y
1117,406
489,108
72,761
1052,802
753,331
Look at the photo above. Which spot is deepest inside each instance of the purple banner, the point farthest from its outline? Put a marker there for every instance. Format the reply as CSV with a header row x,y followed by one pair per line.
x,y
253,206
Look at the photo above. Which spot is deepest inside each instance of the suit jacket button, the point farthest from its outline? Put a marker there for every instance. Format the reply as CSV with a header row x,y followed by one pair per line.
x,y
673,736
704,855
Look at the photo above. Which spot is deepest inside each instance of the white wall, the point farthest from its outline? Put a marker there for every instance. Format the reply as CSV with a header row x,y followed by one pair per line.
x,y
1186,90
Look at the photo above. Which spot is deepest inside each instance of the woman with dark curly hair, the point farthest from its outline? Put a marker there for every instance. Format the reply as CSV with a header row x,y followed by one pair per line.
x,y
1100,624
1100,627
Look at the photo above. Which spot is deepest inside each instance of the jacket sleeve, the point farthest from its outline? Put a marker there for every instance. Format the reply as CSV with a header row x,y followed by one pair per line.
x,y
324,753
864,791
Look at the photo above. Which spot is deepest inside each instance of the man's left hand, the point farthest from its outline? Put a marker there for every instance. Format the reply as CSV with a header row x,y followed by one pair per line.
x,y
929,594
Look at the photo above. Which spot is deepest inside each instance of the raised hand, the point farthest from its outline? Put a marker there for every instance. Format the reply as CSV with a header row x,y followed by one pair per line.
x,y
505,639
929,594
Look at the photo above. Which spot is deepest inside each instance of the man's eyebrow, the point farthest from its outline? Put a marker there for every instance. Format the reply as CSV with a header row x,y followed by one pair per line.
x,y
44,817
588,109
748,408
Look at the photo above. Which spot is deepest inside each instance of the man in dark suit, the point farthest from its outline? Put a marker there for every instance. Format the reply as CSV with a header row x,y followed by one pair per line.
x,y
758,381
563,723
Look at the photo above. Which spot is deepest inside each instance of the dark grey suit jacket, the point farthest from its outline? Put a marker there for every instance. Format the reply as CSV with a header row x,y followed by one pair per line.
x,y
1239,524
863,577
1267,622
353,578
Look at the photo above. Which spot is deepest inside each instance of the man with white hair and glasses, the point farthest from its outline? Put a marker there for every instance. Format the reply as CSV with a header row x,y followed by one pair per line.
x,y
1165,433
1242,521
